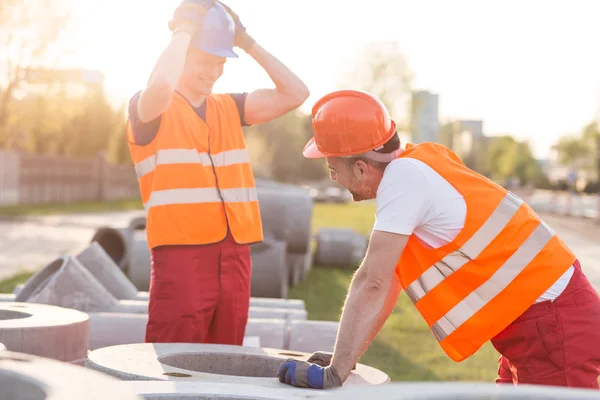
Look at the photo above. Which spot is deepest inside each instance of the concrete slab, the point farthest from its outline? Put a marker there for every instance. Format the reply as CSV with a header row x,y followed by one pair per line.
x,y
207,363
311,336
161,390
44,330
111,329
460,390
25,377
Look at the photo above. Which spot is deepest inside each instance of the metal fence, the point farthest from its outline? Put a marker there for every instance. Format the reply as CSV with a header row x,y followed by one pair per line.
x,y
38,179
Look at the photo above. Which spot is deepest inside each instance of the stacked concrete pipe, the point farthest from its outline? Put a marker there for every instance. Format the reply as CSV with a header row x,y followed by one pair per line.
x,y
340,247
286,214
460,390
43,330
26,377
67,283
210,364
110,329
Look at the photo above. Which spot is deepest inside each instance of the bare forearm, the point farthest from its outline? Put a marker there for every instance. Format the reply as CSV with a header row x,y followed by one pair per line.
x,y
361,316
164,78
286,82
388,307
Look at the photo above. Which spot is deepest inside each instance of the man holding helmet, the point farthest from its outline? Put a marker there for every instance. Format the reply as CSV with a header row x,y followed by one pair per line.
x,y
476,261
195,177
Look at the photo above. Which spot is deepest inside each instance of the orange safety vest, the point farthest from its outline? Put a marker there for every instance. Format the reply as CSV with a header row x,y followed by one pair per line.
x,y
195,178
504,258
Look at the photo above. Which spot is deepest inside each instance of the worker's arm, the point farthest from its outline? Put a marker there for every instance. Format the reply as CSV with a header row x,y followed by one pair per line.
x,y
369,301
165,76
156,97
263,105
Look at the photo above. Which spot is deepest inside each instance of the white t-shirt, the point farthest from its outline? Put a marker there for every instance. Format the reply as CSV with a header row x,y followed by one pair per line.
x,y
413,198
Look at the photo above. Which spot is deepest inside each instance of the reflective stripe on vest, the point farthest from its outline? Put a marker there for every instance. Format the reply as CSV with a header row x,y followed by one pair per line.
x,y
200,195
191,156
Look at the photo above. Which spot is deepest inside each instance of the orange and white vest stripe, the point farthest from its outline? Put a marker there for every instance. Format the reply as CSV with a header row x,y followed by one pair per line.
x,y
505,257
195,178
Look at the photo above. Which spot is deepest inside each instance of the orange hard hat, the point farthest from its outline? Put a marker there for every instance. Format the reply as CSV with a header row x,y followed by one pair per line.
x,y
348,122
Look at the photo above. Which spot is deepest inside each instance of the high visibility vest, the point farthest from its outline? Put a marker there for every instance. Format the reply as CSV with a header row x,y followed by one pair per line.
x,y
503,259
195,177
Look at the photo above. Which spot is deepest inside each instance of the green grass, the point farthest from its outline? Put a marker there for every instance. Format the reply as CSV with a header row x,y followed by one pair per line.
x,y
8,285
405,348
80,207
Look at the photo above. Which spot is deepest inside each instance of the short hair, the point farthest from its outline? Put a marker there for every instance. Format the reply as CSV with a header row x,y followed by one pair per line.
x,y
389,147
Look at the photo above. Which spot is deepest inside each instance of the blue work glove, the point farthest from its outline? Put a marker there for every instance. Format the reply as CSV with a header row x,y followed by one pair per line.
x,y
306,375
242,39
189,15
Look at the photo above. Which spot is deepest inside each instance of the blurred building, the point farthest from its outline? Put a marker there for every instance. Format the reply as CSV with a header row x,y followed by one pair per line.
x,y
466,139
425,123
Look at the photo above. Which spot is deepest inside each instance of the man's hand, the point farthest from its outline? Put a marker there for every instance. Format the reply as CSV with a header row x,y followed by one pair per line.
x,y
322,358
189,15
306,375
242,39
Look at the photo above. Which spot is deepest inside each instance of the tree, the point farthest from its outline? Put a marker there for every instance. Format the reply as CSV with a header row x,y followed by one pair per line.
x,y
279,144
31,37
507,158
382,69
581,151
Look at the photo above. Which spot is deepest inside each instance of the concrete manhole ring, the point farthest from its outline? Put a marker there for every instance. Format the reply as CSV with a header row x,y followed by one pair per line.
x,y
26,377
45,330
207,363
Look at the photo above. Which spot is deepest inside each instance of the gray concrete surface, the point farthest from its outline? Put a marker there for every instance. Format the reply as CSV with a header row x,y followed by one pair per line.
x,y
25,377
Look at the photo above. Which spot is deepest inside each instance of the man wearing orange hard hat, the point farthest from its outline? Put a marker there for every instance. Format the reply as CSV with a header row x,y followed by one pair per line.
x,y
476,261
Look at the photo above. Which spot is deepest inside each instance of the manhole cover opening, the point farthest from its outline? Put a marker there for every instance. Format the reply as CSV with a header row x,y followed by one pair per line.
x,y
9,314
225,364
112,242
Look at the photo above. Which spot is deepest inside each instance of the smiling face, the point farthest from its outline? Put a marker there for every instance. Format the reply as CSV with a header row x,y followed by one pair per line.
x,y
359,176
201,71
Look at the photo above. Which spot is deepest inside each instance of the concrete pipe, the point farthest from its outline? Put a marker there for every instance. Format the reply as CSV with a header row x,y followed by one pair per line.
x,y
26,377
162,390
111,329
6,297
137,223
66,283
277,313
277,303
95,259
207,363
45,331
286,214
299,264
340,247
311,336
269,269
139,261
460,390
116,242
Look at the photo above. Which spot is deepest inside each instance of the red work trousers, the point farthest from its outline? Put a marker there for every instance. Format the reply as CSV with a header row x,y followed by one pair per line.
x,y
199,294
554,343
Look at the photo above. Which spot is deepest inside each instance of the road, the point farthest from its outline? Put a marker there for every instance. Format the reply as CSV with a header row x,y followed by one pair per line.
x,y
31,243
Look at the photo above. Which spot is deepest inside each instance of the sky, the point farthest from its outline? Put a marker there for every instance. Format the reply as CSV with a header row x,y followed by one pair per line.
x,y
527,68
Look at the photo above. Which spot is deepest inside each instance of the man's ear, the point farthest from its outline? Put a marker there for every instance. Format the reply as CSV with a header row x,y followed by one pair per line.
x,y
361,167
